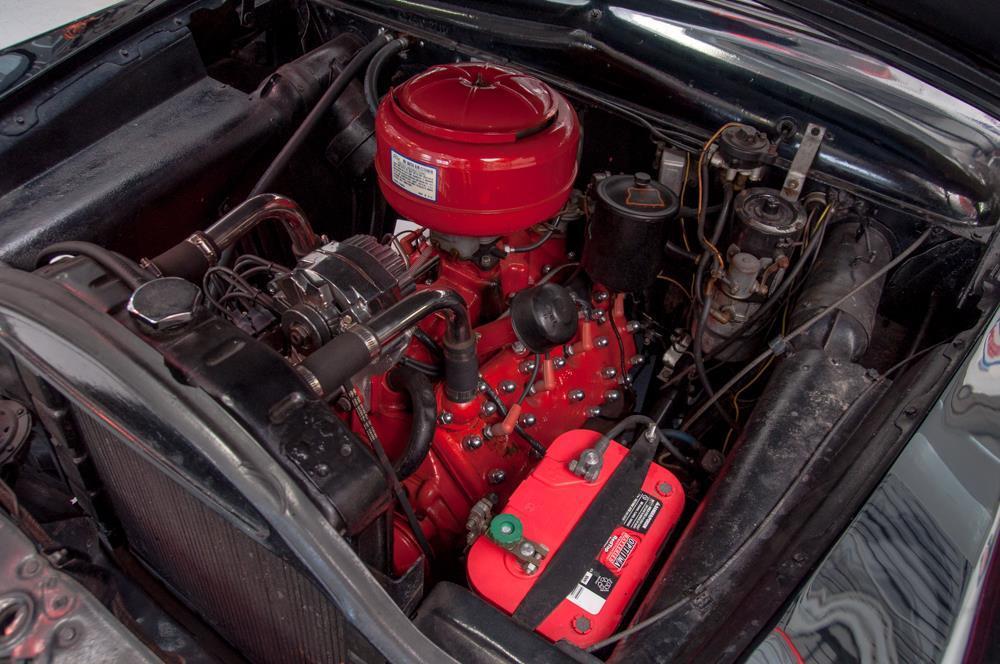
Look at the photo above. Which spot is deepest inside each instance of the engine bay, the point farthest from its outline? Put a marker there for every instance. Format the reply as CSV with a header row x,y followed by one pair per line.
x,y
543,362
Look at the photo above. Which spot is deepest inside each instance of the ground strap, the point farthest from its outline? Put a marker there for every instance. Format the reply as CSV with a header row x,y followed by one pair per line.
x,y
577,553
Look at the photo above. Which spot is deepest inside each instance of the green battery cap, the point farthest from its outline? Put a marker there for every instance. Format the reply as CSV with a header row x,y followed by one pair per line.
x,y
506,529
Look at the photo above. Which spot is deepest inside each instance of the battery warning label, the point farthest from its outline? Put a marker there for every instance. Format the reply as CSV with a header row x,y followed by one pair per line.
x,y
594,588
641,513
418,179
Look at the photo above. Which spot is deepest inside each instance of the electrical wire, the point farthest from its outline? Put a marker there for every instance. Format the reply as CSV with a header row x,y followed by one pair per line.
x,y
778,345
675,283
531,379
488,390
390,472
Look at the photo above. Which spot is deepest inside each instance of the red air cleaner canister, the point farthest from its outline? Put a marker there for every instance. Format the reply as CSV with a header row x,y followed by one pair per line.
x,y
475,149
544,510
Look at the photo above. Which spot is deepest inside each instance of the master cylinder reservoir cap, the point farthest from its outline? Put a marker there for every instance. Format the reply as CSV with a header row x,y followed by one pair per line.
x,y
474,149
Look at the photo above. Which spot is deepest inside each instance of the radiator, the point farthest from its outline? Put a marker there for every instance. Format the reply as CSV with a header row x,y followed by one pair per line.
x,y
265,607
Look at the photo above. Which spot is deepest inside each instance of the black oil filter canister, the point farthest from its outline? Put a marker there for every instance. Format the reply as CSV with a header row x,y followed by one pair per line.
x,y
623,244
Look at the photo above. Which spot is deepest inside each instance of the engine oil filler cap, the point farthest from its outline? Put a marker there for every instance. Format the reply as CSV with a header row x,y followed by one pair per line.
x,y
548,505
475,149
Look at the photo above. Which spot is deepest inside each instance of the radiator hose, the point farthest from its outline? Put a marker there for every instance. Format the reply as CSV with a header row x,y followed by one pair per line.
x,y
334,363
424,406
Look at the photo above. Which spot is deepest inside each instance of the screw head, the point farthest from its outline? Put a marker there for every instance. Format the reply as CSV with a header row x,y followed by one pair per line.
x,y
609,373
601,296
472,442
601,342
559,362
612,395
526,549
594,411
576,395
508,386
581,624
632,326
445,417
528,420
664,489
519,348
488,408
496,476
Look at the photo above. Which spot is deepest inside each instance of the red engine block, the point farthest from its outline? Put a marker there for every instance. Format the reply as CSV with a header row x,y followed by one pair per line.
x,y
573,384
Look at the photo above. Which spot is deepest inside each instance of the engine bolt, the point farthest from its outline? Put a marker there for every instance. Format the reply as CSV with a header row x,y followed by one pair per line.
x,y
472,442
446,417
508,386
609,372
546,269
527,366
664,489
519,348
637,360
488,408
482,386
594,411
528,420
559,362
600,316
496,476
601,342
612,395
526,549
601,296
576,395
568,350
632,326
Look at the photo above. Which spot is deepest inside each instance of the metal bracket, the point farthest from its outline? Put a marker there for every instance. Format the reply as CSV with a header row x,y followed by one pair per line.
x,y
812,139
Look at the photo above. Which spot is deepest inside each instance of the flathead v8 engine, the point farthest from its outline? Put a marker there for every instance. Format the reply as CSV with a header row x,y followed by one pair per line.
x,y
450,369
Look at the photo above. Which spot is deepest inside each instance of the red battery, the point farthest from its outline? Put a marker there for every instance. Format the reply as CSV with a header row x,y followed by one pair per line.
x,y
547,505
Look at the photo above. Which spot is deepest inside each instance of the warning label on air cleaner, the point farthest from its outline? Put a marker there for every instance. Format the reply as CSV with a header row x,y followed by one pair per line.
x,y
641,513
418,179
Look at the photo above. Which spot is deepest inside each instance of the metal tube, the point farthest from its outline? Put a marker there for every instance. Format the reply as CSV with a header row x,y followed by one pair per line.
x,y
400,317
264,207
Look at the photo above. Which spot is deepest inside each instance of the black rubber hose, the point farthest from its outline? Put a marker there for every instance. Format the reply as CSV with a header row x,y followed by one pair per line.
x,y
130,275
424,407
680,251
374,71
336,88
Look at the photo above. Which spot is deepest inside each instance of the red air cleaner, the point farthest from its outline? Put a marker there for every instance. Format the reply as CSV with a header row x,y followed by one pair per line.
x,y
544,510
475,149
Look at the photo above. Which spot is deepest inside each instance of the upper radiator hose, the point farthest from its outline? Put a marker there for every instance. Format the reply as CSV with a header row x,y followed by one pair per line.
x,y
333,364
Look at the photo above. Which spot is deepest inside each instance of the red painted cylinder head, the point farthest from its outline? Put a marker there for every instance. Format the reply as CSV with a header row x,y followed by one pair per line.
x,y
475,149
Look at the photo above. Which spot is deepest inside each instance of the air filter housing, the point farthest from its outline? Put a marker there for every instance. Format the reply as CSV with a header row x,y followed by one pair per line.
x,y
477,150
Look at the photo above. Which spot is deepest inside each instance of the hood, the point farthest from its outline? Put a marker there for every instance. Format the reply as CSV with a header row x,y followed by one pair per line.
x,y
951,45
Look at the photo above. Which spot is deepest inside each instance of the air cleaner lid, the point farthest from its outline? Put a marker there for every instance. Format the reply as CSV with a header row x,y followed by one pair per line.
x,y
475,103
